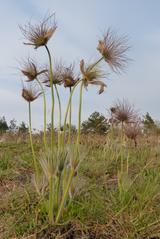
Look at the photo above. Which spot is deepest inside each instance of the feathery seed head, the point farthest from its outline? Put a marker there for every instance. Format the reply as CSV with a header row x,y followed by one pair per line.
x,y
113,49
76,156
48,163
30,93
132,131
57,75
92,75
123,112
38,35
30,70
68,76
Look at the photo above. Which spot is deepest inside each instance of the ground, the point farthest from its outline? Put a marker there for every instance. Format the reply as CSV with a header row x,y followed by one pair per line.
x,y
112,200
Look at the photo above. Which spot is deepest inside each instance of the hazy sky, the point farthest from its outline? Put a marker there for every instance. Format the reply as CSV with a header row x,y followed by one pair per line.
x,y
80,25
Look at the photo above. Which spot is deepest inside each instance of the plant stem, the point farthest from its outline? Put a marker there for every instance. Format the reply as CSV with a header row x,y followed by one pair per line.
x,y
122,147
58,188
70,98
80,104
65,195
97,62
31,141
51,200
127,162
67,109
52,94
60,116
79,114
70,120
45,114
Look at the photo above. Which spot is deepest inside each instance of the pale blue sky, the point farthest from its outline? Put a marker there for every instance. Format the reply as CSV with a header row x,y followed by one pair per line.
x,y
80,24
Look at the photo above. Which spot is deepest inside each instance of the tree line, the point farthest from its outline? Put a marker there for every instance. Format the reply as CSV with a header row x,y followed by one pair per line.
x,y
96,123
12,126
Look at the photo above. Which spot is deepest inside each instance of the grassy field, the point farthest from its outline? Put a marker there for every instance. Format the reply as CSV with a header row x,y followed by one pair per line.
x,y
113,200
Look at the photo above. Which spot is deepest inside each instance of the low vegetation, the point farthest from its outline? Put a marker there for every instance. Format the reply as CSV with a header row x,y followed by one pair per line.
x,y
106,203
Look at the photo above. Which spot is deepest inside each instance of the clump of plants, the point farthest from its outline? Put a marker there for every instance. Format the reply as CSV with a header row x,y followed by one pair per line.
x,y
124,116
126,120
57,164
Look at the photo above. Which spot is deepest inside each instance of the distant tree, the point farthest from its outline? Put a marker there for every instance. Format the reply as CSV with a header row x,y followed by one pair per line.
x,y
13,126
73,128
22,127
96,123
148,123
3,125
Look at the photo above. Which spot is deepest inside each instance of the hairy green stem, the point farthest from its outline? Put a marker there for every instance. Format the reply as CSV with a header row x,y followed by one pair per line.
x,y
52,94
31,141
67,109
60,116
70,120
51,199
65,195
80,103
128,156
122,148
79,114
96,63
70,98
58,188
45,114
